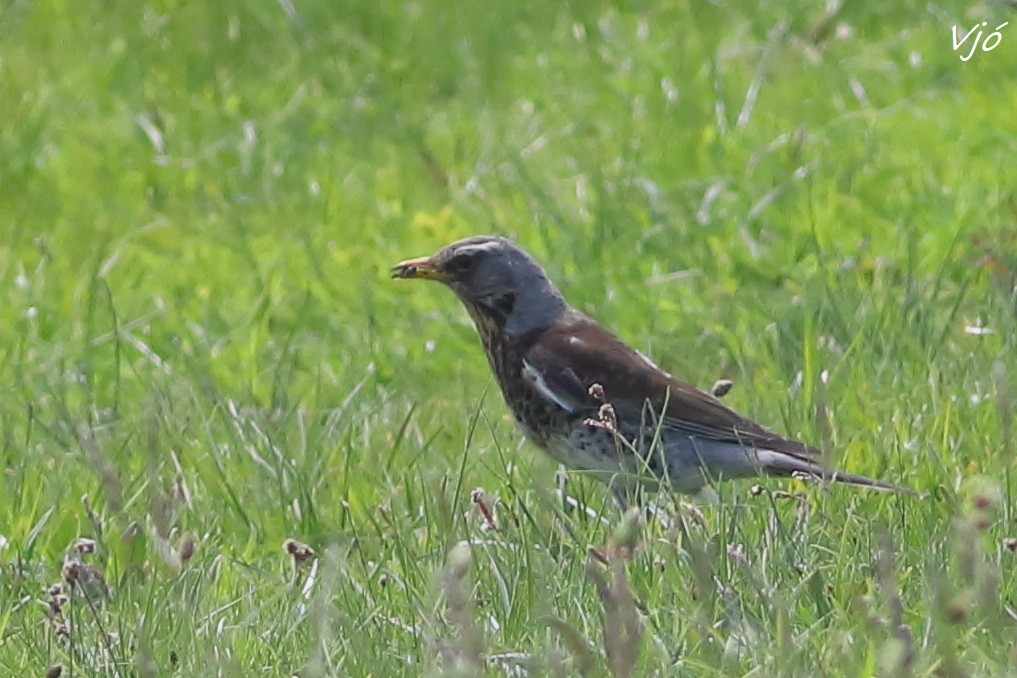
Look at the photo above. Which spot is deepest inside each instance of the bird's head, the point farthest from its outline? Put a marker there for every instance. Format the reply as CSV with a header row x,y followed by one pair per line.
x,y
494,278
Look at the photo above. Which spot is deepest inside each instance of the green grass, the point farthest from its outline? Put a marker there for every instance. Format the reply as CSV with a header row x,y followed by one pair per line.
x,y
200,202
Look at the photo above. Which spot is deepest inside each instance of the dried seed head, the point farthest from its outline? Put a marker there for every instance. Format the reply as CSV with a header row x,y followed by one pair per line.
x,y
982,501
477,497
56,601
755,490
721,387
607,415
598,555
300,551
983,493
186,549
957,609
1010,544
72,570
84,545
694,513
780,494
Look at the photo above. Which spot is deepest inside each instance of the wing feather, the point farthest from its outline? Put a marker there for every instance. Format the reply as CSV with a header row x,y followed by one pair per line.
x,y
575,353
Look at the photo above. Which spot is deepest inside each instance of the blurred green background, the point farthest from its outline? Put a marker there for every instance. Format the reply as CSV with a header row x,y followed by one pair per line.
x,y
200,202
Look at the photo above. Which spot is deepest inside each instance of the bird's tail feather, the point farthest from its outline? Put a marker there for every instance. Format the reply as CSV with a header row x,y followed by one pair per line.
x,y
782,464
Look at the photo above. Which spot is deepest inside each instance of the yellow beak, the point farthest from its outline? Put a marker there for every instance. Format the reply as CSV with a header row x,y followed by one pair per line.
x,y
421,267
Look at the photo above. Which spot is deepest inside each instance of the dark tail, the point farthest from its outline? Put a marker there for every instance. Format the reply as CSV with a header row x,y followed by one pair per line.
x,y
783,464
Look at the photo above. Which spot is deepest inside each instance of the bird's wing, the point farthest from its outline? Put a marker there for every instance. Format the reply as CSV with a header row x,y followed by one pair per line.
x,y
575,353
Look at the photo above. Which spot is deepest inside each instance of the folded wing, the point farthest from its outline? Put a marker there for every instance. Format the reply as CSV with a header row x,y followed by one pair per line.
x,y
576,353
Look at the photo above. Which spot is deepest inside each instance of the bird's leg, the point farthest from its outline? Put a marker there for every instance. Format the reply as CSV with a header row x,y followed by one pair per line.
x,y
561,481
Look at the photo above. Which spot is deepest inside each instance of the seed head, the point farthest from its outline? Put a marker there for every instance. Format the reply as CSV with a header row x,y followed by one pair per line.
x,y
300,551
84,545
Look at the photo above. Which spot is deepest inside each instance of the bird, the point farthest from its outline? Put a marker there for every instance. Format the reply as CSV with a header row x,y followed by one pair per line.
x,y
595,404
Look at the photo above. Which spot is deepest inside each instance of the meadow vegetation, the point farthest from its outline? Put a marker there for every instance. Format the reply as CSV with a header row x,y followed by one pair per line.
x,y
230,445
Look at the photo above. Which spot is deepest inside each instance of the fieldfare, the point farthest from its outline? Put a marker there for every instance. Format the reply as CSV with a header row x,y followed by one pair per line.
x,y
592,402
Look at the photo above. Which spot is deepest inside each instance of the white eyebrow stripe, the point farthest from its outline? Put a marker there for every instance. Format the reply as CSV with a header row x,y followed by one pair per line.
x,y
477,247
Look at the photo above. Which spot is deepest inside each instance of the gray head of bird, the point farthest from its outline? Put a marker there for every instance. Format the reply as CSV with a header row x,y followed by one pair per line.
x,y
494,278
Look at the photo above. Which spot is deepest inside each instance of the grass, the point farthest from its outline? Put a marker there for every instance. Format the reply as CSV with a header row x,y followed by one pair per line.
x,y
201,355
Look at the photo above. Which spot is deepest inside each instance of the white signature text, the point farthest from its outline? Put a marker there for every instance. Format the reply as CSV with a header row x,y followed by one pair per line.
x,y
995,37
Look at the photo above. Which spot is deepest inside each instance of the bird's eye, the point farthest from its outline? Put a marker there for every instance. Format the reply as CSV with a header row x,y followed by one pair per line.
x,y
462,262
